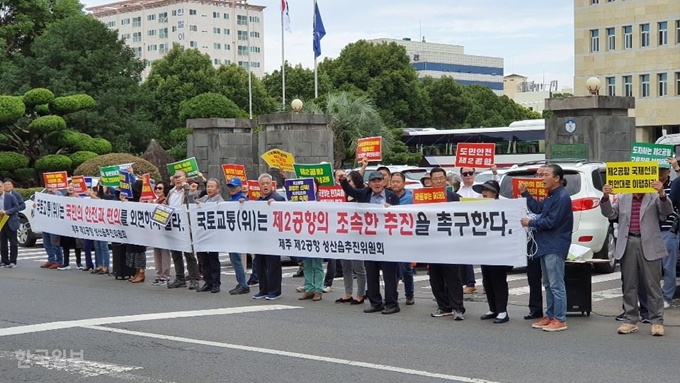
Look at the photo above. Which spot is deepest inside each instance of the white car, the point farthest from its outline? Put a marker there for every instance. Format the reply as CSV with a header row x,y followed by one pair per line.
x,y
584,184
413,174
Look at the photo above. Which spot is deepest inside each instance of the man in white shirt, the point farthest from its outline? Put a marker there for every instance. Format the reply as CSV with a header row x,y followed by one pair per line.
x,y
177,197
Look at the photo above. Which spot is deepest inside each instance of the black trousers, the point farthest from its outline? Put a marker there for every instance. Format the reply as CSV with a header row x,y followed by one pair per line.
x,y
534,275
389,270
269,271
9,255
495,281
447,286
211,268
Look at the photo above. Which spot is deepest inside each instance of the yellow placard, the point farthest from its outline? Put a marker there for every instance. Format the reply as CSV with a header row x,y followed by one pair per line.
x,y
3,221
632,177
279,159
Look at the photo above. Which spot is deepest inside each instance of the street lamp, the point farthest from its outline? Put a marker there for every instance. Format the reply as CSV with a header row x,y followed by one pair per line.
x,y
296,105
593,85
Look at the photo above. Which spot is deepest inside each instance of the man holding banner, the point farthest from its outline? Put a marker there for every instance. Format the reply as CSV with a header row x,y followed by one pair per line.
x,y
211,260
9,224
178,197
235,187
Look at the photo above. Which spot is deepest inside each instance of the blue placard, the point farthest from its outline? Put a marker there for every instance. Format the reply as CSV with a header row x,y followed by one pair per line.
x,y
88,182
301,189
125,183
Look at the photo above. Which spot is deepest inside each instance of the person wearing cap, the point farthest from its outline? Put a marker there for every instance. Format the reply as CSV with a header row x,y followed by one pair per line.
x,y
494,278
377,194
426,181
235,186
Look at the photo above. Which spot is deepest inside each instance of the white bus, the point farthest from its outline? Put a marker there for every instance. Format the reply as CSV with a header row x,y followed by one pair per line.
x,y
520,142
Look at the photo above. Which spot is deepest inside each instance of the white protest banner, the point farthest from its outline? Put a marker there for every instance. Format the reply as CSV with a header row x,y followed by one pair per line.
x,y
111,221
479,233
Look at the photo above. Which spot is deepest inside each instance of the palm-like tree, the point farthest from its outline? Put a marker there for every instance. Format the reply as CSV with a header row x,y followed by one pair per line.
x,y
354,117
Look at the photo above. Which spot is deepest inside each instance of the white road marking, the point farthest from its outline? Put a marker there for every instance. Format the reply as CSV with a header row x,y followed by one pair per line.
x,y
289,354
137,318
606,294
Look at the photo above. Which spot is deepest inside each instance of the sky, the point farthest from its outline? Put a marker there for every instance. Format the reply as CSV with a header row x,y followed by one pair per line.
x,y
534,37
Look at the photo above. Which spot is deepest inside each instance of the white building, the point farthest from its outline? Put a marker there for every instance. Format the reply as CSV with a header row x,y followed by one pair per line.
x,y
230,31
437,60
530,94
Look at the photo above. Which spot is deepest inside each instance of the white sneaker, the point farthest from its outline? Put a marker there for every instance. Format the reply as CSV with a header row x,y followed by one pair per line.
x,y
11,265
80,267
300,289
666,305
327,289
67,267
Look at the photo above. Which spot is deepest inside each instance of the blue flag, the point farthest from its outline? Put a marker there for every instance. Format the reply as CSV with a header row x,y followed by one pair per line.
x,y
319,31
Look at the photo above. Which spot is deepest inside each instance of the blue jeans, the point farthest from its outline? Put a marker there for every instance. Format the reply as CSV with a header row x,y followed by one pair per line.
x,y
101,253
253,272
235,259
669,263
470,272
54,253
87,248
552,267
405,272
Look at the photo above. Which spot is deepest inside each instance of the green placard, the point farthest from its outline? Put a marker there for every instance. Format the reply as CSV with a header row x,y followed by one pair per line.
x,y
643,152
189,166
571,151
322,172
110,175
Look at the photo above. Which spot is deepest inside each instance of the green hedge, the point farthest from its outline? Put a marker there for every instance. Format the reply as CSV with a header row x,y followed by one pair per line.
x,y
42,110
28,192
209,105
53,163
95,145
140,165
79,157
70,104
38,96
11,109
10,161
47,124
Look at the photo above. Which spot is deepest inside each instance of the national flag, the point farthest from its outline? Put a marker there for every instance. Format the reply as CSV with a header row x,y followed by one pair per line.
x,y
285,16
319,31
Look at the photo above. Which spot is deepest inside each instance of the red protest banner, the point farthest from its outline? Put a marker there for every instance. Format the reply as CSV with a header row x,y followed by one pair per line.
x,y
429,195
331,194
234,170
79,184
535,187
147,192
369,147
475,155
254,189
55,180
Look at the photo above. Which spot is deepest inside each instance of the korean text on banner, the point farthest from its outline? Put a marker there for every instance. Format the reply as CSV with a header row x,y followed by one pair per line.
x,y
110,221
162,214
147,191
535,187
234,171
632,177
643,152
486,233
475,155
189,166
55,180
110,175
370,148
298,190
254,189
429,195
125,182
331,194
279,159
79,184
322,172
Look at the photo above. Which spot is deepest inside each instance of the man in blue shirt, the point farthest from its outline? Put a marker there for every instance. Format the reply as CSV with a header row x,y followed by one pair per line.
x,y
235,187
553,236
405,271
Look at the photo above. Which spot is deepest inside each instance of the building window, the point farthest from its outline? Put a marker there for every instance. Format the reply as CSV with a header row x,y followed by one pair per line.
x,y
226,16
192,12
644,35
227,61
193,28
628,86
217,30
151,17
243,35
255,64
644,85
677,83
677,32
594,40
163,33
628,37
136,37
254,49
193,44
241,20
611,86
151,32
125,36
242,50
125,22
611,39
254,19
217,61
216,15
227,31
255,35
111,24
217,46
163,48
227,47
138,51
174,28
663,84
663,33
152,48
593,2
163,17
137,21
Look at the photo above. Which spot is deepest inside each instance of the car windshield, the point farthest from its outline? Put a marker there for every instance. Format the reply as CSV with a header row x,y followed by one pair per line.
x,y
573,181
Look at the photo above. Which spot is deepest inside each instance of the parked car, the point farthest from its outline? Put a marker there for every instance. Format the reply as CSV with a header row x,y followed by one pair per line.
x,y
413,174
584,184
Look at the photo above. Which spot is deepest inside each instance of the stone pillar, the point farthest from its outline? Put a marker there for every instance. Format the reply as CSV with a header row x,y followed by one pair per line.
x,y
600,122
217,141
306,136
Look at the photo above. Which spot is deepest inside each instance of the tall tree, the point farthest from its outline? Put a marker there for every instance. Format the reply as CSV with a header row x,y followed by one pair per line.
x,y
232,82
449,105
299,83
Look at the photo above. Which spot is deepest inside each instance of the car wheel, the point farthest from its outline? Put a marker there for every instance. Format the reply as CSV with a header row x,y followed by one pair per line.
x,y
607,252
25,234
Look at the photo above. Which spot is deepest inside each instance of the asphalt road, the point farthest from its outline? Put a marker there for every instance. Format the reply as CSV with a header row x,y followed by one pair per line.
x,y
96,329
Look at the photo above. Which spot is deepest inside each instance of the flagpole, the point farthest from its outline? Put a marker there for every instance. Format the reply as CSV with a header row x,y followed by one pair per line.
x,y
250,85
316,75
283,64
